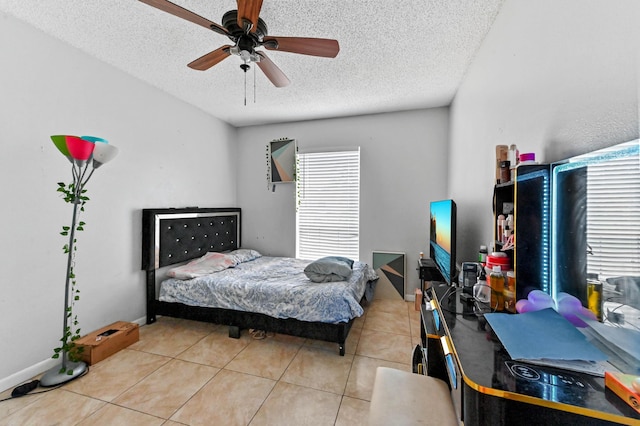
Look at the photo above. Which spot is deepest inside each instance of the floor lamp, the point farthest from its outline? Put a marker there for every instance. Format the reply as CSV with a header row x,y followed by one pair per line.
x,y
86,154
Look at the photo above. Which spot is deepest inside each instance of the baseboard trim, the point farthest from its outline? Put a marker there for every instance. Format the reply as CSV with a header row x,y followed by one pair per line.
x,y
39,368
141,321
27,374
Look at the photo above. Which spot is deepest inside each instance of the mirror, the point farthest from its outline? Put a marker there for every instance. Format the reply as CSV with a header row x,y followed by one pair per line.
x,y
595,250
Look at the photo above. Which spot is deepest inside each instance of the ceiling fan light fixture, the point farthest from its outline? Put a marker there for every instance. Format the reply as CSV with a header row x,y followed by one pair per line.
x,y
245,56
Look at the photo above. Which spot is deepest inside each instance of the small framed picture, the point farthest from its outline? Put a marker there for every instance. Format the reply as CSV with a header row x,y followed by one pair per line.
x,y
391,268
282,161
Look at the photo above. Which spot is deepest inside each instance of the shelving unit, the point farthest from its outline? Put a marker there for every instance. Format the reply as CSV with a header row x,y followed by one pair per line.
x,y
527,198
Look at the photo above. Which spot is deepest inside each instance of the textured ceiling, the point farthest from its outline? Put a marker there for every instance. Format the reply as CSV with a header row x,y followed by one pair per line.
x,y
394,54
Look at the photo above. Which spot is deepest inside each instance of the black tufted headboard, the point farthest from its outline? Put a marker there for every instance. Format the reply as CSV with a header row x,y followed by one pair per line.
x,y
176,235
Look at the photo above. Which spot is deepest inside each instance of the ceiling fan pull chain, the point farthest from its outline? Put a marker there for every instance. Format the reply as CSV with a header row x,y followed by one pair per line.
x,y
254,85
245,67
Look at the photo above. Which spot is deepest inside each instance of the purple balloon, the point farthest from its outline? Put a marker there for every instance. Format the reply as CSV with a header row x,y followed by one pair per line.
x,y
523,305
540,300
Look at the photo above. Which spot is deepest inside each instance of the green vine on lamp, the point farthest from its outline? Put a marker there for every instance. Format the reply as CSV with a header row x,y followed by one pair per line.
x,y
71,332
86,154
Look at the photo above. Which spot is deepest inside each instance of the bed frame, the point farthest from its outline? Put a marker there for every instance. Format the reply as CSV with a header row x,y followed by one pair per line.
x,y
171,236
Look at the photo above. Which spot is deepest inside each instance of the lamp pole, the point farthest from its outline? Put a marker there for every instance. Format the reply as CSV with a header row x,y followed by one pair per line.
x,y
76,202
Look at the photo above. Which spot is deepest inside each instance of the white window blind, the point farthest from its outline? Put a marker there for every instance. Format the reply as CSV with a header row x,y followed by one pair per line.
x,y
328,217
613,217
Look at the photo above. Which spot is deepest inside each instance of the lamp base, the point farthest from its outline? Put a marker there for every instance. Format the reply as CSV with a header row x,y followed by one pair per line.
x,y
54,377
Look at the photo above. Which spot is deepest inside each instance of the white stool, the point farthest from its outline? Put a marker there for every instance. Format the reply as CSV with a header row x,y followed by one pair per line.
x,y
402,398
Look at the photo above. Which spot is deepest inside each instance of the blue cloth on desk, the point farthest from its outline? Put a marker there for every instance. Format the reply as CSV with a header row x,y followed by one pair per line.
x,y
543,334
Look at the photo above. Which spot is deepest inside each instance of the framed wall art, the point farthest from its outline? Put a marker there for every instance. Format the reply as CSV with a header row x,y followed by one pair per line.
x,y
391,268
281,161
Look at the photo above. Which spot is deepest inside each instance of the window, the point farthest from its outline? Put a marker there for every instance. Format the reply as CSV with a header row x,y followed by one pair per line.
x,y
613,212
328,216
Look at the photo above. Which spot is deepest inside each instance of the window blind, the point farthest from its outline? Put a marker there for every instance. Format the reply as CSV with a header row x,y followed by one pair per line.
x,y
328,215
613,217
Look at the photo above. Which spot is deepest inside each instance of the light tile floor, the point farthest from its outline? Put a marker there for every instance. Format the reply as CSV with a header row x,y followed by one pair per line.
x,y
191,373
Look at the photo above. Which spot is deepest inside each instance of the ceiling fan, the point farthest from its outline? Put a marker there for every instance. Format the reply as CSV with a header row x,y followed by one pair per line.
x,y
248,32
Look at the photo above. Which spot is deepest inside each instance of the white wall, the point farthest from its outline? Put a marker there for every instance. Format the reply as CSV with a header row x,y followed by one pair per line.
x,y
171,155
403,166
557,78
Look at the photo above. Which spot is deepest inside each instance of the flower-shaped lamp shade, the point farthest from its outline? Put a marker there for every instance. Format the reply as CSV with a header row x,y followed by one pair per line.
x,y
79,148
94,139
103,153
60,141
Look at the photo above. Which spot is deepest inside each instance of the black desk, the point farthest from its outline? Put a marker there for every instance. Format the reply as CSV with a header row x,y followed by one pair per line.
x,y
488,388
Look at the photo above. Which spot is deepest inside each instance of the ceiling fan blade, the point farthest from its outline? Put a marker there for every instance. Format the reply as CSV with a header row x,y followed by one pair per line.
x,y
324,47
249,10
271,70
183,13
205,62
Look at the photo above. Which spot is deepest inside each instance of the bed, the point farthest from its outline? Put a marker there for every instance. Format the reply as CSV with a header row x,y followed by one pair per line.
x,y
172,237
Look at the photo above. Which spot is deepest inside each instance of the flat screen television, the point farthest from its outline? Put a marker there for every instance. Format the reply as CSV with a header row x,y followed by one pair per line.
x,y
442,238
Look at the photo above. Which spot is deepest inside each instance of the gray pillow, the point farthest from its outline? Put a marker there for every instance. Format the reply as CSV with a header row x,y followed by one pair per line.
x,y
328,269
244,255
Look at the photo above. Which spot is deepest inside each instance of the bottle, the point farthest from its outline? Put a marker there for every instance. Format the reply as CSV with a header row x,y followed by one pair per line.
x,y
500,228
481,291
496,282
510,292
508,228
514,156
505,234
482,255
594,297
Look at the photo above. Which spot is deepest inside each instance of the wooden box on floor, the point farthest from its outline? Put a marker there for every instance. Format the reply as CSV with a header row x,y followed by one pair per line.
x,y
107,341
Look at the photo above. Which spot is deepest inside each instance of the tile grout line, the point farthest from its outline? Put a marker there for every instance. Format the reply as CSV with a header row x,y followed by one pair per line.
x,y
276,383
201,387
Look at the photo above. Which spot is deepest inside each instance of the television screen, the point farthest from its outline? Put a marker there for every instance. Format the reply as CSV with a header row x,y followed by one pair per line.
x,y
442,237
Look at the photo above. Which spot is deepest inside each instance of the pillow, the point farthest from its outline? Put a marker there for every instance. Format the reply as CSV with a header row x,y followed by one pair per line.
x,y
207,264
328,269
244,255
